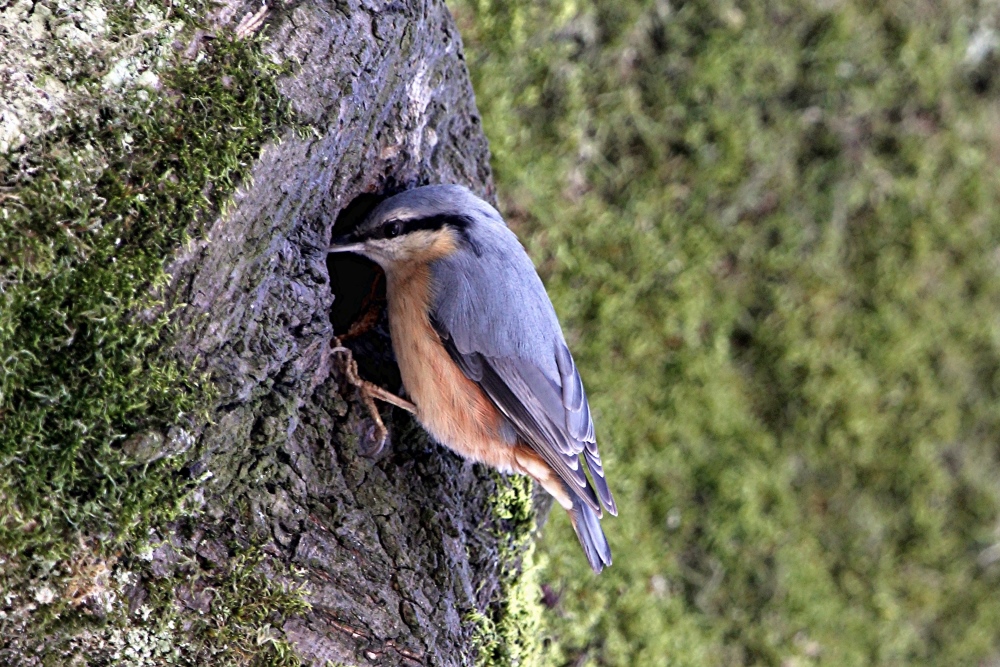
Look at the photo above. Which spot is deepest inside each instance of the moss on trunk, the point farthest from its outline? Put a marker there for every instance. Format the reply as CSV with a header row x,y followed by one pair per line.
x,y
181,480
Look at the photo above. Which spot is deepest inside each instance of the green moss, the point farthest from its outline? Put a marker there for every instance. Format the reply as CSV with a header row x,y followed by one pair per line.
x,y
248,603
511,634
770,231
228,614
89,213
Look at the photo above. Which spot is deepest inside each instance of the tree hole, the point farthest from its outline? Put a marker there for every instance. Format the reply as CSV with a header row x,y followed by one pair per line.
x,y
358,314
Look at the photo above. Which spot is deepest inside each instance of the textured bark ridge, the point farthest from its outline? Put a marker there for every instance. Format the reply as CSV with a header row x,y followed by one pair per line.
x,y
397,550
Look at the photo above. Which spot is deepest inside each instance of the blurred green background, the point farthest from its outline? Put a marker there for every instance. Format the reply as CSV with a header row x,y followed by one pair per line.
x,y
771,232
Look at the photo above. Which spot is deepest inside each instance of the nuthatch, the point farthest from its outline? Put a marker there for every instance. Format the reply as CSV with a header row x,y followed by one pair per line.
x,y
480,351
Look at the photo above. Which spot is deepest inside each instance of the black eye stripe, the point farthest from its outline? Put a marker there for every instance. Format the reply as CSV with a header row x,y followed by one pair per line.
x,y
393,228
435,222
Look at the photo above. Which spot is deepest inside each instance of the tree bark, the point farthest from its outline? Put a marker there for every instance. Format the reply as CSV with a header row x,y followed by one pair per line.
x,y
399,549
397,552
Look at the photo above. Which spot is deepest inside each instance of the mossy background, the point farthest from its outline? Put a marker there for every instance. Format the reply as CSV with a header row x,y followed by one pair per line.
x,y
94,412
771,232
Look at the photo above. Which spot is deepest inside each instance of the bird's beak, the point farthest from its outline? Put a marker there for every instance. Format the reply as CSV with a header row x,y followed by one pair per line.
x,y
344,244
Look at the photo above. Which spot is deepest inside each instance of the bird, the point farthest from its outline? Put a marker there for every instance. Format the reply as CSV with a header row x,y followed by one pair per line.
x,y
482,356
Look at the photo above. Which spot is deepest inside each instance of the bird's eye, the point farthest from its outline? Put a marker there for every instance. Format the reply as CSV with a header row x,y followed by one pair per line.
x,y
393,230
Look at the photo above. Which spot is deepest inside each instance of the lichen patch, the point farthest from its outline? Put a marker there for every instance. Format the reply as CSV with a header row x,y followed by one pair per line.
x,y
59,58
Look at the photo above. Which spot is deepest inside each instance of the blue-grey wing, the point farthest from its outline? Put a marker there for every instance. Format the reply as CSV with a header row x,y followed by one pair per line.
x,y
504,335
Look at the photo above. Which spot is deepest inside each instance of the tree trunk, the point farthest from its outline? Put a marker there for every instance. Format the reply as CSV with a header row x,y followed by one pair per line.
x,y
403,556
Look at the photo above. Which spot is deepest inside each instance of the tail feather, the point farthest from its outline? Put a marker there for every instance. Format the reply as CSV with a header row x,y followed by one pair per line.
x,y
588,529
585,517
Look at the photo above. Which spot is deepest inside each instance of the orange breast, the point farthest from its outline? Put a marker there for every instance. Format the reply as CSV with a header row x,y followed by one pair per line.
x,y
451,407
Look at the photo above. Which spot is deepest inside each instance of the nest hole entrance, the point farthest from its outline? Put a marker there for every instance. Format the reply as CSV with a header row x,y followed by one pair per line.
x,y
359,314
353,279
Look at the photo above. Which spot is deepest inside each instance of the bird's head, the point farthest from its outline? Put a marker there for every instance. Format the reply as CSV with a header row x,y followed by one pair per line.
x,y
419,225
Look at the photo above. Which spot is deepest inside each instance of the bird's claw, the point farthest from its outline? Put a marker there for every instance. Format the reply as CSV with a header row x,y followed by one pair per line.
x,y
377,435
378,432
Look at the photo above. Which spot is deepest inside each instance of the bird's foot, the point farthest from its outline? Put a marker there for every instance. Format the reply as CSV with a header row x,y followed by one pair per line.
x,y
369,392
378,432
